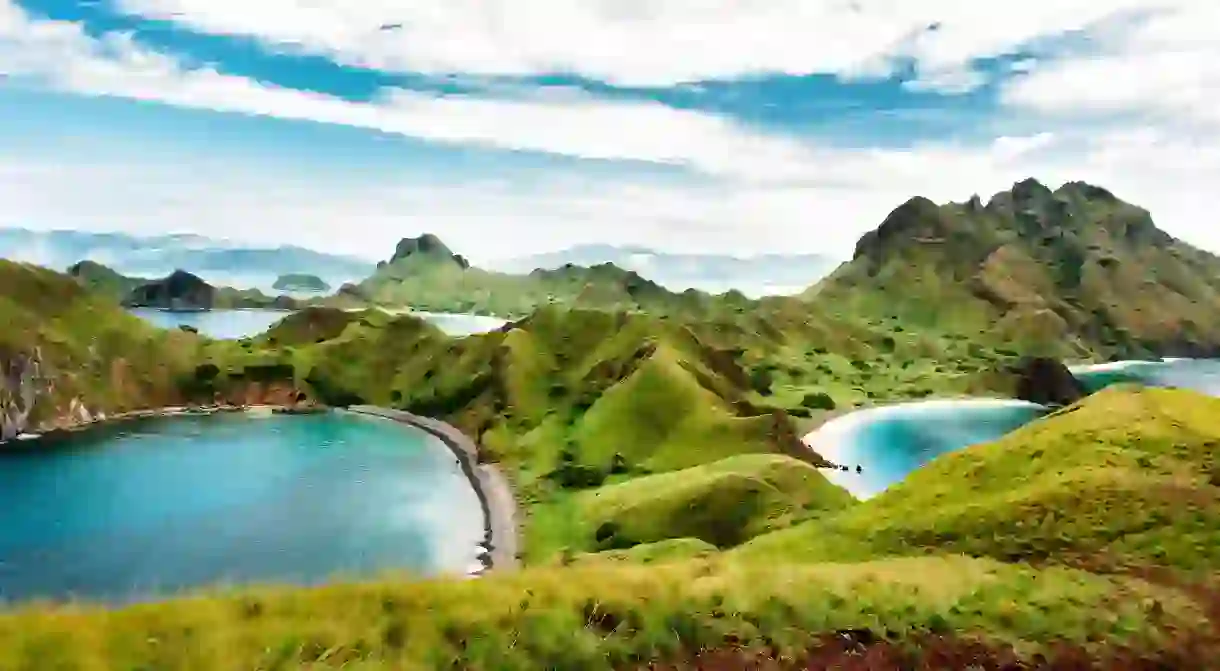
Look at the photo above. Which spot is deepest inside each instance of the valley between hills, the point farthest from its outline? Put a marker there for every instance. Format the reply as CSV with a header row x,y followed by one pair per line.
x,y
670,514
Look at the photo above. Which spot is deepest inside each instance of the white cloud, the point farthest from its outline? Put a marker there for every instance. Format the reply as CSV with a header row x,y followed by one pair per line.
x,y
762,192
1164,69
644,42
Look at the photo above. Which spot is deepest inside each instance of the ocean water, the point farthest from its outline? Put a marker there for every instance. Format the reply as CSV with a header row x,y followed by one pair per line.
x,y
1201,375
232,324
162,505
890,442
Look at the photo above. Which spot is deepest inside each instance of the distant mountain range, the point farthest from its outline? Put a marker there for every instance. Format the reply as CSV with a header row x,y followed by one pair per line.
x,y
754,276
222,262
219,262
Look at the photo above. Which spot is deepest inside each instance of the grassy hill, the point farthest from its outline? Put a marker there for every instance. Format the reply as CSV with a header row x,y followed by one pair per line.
x,y
68,353
1125,480
1074,272
425,274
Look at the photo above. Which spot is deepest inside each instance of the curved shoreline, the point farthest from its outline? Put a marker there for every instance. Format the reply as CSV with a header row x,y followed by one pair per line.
x,y
490,486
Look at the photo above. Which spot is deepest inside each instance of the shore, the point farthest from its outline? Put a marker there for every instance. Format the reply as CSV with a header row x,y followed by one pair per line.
x,y
39,439
490,485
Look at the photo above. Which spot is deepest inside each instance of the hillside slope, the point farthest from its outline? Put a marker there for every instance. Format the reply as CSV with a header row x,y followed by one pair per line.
x,y
68,354
1126,479
1075,271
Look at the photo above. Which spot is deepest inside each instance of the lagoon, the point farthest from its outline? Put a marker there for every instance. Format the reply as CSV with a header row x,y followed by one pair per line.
x,y
233,324
141,509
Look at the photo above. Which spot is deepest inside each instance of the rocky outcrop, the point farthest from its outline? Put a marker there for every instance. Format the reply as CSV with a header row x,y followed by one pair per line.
x,y
180,290
1046,381
22,383
426,247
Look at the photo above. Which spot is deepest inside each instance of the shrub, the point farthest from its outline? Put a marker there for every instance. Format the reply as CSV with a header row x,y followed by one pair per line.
x,y
819,401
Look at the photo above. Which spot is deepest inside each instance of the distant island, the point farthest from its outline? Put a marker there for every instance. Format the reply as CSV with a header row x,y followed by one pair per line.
x,y
300,282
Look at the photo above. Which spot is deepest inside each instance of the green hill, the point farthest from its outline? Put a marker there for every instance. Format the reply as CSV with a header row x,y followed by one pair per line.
x,y
69,354
426,275
1074,272
1124,480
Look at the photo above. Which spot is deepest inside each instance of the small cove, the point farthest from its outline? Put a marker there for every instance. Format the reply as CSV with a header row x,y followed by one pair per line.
x,y
890,442
160,505
233,324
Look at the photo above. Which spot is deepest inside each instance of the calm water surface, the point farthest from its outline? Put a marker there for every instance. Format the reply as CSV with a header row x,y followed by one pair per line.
x,y
232,324
167,504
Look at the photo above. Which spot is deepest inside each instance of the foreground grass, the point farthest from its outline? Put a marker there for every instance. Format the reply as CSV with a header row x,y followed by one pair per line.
x,y
597,617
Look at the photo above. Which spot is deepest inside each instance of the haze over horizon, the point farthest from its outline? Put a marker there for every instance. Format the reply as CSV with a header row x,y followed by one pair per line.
x,y
512,129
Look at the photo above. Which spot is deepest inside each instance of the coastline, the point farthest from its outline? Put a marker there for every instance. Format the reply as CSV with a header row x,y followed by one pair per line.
x,y
490,486
38,439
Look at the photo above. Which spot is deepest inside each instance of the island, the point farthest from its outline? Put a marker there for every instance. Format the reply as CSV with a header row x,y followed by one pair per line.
x,y
302,282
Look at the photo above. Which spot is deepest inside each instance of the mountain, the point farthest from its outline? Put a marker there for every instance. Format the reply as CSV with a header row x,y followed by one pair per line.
x,y
425,274
1072,272
218,261
764,274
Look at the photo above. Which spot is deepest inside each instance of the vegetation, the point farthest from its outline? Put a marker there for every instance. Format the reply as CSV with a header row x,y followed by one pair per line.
x,y
189,290
671,512
66,347
1075,272
425,275
1126,480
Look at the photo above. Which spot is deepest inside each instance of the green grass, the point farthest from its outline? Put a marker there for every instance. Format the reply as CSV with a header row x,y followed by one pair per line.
x,y
92,351
722,503
596,616
1125,479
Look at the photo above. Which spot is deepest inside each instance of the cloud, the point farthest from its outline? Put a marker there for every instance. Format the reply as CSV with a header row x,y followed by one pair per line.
x,y
641,42
1165,69
747,190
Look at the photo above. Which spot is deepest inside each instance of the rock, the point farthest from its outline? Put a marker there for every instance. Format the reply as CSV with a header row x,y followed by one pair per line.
x,y
1047,381
22,383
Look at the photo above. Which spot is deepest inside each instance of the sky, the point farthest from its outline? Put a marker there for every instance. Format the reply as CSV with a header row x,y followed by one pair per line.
x,y
509,127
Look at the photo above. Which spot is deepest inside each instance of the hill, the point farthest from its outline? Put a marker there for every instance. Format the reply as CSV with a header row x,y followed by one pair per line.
x,y
758,275
1071,272
1126,480
69,355
425,274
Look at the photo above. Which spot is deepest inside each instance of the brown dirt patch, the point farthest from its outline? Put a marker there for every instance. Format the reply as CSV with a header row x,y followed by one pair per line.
x,y
861,651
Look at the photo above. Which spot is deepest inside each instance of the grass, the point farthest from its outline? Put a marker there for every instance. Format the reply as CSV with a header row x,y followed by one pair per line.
x,y
94,353
1126,479
722,503
596,616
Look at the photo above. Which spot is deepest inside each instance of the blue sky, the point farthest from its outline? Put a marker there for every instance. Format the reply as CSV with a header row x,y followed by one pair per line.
x,y
524,126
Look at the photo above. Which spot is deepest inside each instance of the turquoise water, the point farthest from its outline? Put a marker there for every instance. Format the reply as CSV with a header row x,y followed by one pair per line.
x,y
892,441
165,504
1201,375
231,324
